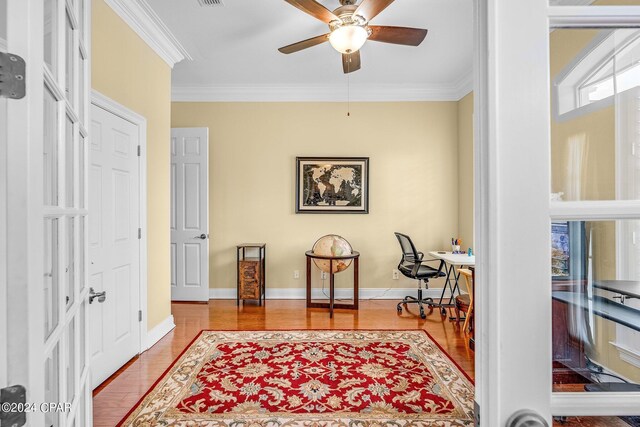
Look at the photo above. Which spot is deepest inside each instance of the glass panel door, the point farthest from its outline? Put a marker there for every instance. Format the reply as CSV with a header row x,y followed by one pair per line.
x,y
595,169
64,171
557,209
595,166
595,155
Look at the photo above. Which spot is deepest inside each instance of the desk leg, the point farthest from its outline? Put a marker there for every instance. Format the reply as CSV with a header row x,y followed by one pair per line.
x,y
331,288
456,286
452,269
444,288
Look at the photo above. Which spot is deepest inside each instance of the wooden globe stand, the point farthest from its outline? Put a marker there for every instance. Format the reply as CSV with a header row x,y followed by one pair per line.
x,y
355,256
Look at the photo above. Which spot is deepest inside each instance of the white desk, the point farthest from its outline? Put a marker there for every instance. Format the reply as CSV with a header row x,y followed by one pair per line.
x,y
451,261
454,259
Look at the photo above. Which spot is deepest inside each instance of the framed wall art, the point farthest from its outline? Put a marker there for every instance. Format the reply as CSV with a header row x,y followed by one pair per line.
x,y
332,185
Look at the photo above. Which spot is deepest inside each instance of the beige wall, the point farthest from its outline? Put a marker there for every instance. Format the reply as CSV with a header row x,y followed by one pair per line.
x,y
126,70
598,183
253,146
465,171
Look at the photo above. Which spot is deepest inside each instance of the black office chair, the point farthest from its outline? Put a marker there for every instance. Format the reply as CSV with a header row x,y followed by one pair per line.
x,y
412,265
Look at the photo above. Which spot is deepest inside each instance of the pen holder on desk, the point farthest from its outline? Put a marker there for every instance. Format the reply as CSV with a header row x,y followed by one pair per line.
x,y
455,249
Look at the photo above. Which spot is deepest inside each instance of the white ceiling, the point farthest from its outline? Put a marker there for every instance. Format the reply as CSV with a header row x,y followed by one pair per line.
x,y
235,56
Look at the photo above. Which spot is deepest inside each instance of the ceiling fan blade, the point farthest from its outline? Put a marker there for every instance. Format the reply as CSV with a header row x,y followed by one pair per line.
x,y
397,35
351,62
295,47
368,9
314,9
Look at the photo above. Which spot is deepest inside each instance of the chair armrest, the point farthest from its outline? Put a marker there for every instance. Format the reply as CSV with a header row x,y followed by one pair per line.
x,y
412,259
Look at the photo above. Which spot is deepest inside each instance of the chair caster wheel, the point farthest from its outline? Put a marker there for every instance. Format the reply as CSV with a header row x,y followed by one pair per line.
x,y
443,311
399,309
423,316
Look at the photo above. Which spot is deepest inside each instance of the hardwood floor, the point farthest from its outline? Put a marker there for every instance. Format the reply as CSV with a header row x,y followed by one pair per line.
x,y
116,396
113,399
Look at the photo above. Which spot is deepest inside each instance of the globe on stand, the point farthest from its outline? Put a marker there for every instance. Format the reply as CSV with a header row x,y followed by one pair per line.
x,y
332,245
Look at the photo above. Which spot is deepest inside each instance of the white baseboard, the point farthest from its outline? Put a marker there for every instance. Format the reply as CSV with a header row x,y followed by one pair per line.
x,y
158,332
300,293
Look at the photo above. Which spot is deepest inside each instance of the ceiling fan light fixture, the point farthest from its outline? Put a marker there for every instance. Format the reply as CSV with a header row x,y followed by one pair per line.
x,y
348,38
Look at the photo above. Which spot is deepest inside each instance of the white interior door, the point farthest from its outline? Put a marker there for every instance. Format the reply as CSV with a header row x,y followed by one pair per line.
x,y
114,241
43,188
190,214
527,151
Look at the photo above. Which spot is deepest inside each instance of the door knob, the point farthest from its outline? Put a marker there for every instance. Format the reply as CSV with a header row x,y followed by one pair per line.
x,y
202,236
100,295
526,418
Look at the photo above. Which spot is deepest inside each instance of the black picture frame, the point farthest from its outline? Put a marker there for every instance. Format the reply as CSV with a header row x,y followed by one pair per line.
x,y
318,177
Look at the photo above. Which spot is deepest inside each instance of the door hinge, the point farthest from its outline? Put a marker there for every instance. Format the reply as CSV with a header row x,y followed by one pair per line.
x,y
138,151
12,76
139,315
139,233
15,395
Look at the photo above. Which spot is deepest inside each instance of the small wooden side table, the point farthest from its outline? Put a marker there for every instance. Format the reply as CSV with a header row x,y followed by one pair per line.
x,y
355,256
251,272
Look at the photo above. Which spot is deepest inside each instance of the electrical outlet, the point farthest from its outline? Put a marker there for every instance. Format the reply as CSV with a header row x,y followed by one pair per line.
x,y
395,274
323,275
296,274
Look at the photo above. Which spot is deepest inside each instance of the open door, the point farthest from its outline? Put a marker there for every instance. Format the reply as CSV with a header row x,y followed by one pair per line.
x,y
550,81
43,135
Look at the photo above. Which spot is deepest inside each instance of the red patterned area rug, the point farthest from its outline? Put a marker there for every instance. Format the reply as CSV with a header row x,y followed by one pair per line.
x,y
309,378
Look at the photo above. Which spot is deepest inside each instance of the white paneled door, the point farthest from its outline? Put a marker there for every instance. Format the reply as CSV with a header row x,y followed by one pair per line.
x,y
114,243
190,214
43,187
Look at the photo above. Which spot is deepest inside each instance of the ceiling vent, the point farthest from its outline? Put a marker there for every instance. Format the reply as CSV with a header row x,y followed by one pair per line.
x,y
211,3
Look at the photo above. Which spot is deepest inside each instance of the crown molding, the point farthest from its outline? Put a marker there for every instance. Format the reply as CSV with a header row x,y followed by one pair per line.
x,y
323,93
148,25
464,85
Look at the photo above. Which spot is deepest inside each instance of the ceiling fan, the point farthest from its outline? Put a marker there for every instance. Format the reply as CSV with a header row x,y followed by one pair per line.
x,y
350,29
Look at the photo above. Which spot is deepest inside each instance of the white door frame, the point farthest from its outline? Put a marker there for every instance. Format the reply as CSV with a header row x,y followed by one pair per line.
x,y
3,229
3,240
512,197
24,229
107,104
